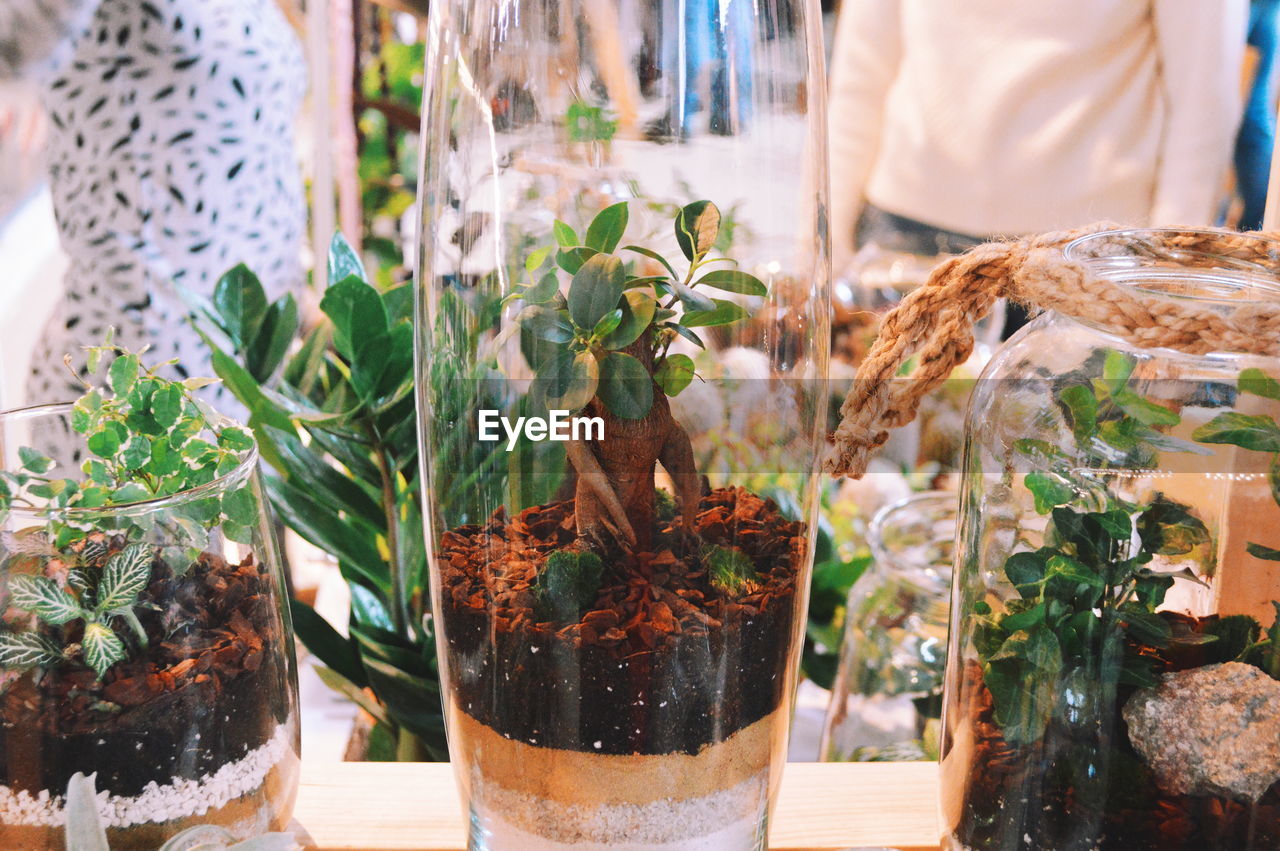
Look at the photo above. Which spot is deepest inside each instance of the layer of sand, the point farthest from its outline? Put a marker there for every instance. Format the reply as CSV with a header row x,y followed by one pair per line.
x,y
582,779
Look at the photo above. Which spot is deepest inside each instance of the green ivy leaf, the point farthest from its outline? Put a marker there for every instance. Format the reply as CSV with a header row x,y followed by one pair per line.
x,y
125,577
725,313
626,388
1082,405
240,507
22,650
1144,411
1256,432
595,290
733,281
106,442
697,226
1049,490
101,647
42,595
137,453
1257,382
674,373
235,439
605,231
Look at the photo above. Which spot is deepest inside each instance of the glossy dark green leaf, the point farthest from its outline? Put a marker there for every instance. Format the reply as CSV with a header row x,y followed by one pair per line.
x,y
1049,490
545,290
568,380
606,229
688,333
547,324
638,308
279,327
653,255
572,259
626,388
1265,553
357,312
607,324
323,527
241,304
595,290
344,261
734,281
693,300
1082,405
725,313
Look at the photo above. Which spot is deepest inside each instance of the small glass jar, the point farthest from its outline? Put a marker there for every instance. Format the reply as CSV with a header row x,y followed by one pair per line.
x,y
887,695
161,656
1115,647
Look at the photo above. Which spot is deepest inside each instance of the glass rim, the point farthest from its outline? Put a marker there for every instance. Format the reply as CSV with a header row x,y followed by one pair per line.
x,y
950,500
1262,287
219,484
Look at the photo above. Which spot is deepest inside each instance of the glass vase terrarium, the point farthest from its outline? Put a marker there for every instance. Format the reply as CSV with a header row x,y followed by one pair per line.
x,y
887,695
623,333
1115,645
145,641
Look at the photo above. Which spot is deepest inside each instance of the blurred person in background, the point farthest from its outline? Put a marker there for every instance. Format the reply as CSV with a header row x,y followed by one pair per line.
x,y
171,159
1257,137
955,121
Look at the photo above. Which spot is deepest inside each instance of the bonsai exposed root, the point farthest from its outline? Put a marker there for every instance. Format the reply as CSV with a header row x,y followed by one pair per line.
x,y
592,479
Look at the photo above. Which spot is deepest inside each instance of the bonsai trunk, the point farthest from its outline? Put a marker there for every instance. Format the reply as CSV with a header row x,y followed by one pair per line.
x,y
614,495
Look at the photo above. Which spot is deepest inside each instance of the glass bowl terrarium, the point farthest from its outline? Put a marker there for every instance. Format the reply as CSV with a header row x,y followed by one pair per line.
x,y
1115,645
623,333
144,638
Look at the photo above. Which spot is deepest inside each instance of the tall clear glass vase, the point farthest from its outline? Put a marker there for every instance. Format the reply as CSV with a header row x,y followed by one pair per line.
x,y
623,331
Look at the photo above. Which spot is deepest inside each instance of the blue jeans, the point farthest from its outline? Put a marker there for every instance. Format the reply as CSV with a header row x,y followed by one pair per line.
x,y
1257,136
719,34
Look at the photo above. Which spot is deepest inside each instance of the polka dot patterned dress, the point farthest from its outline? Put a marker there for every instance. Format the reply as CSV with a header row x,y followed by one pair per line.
x,y
171,160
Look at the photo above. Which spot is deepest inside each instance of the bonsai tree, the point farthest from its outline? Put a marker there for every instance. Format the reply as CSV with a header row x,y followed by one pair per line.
x,y
605,348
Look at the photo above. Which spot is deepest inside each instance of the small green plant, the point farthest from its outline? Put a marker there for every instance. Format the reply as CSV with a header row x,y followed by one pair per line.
x,y
84,830
148,437
730,570
567,585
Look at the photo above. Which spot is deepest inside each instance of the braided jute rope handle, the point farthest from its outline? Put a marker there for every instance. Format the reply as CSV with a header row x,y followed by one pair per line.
x,y
934,323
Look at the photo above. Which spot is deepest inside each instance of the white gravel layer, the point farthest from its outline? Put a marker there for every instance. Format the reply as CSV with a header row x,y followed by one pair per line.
x,y
729,819
179,799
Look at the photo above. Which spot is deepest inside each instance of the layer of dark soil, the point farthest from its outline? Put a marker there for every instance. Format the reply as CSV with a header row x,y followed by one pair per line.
x,y
1036,791
664,661
198,697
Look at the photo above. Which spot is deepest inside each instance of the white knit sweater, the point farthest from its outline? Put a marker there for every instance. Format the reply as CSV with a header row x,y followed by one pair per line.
x,y
1017,116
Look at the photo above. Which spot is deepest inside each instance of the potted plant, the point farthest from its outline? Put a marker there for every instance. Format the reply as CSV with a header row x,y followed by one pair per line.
x,y
144,637
334,416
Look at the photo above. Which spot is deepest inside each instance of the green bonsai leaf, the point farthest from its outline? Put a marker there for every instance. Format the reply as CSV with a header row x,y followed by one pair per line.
x,y
607,227
595,290
567,584
674,373
565,235
730,569
1049,490
688,333
572,259
101,647
725,313
692,300
653,255
697,226
545,290
1265,553
42,596
22,650
638,310
567,380
625,387
1249,431
125,577
607,324
733,281
1258,383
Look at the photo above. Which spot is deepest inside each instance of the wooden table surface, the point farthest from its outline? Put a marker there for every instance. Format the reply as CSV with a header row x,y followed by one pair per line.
x,y
414,807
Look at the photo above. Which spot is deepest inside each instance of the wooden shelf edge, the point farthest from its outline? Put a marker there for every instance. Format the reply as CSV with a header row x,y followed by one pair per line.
x,y
415,807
